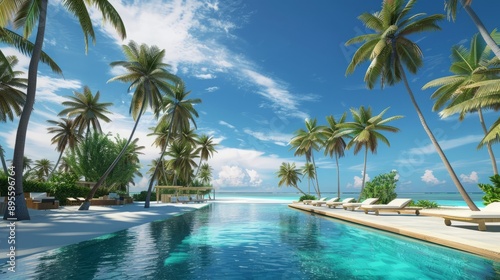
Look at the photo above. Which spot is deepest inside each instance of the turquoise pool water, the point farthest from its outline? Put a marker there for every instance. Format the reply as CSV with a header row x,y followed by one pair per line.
x,y
253,241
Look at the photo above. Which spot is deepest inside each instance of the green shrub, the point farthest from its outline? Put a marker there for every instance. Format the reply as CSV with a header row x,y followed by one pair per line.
x,y
307,197
424,204
382,186
491,193
142,196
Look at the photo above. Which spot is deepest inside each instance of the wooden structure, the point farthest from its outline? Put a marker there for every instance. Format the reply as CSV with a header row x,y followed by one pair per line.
x,y
178,190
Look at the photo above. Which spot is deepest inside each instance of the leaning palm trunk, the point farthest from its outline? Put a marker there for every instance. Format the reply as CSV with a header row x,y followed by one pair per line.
x,y
440,152
338,175
482,29
55,166
301,191
490,151
2,158
21,210
364,175
86,204
164,149
316,175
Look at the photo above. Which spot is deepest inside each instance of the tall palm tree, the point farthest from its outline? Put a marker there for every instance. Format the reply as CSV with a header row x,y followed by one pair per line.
x,y
182,156
334,145
147,74
66,135
2,158
87,110
42,169
28,14
364,133
289,176
451,7
12,97
306,141
468,67
308,170
179,112
205,149
389,49
205,173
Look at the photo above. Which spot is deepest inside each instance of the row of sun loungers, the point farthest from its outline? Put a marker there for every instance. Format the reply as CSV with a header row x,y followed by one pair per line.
x,y
490,214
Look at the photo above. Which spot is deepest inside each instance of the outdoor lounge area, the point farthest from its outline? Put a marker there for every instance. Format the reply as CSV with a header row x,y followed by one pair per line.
x,y
40,201
181,194
490,214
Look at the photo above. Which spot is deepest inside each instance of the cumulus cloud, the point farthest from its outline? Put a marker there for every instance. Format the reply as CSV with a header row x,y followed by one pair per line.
x,y
430,179
235,176
359,180
472,178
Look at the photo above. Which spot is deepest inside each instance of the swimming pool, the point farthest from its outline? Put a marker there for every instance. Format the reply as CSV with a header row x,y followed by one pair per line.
x,y
253,241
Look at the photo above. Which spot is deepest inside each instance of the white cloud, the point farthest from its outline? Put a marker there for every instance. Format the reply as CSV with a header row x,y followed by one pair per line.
x,y
205,76
227,124
235,176
447,144
358,181
212,89
277,138
472,178
430,179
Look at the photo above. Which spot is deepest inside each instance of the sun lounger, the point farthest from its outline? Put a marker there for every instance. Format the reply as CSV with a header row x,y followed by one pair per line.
x,y
310,201
80,199
353,205
490,214
321,202
334,204
396,205
72,201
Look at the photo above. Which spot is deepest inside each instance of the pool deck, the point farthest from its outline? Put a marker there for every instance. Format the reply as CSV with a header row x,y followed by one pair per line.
x,y
460,235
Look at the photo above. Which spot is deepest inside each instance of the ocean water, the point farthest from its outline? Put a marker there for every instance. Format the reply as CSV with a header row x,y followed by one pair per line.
x,y
441,198
252,241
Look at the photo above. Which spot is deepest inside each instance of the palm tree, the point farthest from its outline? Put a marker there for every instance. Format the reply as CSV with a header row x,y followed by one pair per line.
x,y
87,110
182,160
451,7
12,98
468,67
364,133
2,158
66,135
42,169
27,14
389,48
205,173
178,112
306,141
205,150
289,176
334,145
148,76
308,170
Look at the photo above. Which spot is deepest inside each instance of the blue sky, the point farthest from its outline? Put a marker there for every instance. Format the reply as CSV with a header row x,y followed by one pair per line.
x,y
261,68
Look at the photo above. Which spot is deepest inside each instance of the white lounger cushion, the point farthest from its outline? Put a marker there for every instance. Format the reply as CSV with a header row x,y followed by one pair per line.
x,y
396,203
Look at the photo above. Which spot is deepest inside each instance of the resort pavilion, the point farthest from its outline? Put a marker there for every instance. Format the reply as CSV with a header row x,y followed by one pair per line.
x,y
180,190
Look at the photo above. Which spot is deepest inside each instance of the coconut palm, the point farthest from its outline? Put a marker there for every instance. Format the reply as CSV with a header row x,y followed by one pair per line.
x,y
2,158
86,110
205,149
66,136
468,66
205,174
12,97
147,73
389,49
289,176
364,133
333,144
42,169
451,7
182,156
305,142
308,170
179,112
28,14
